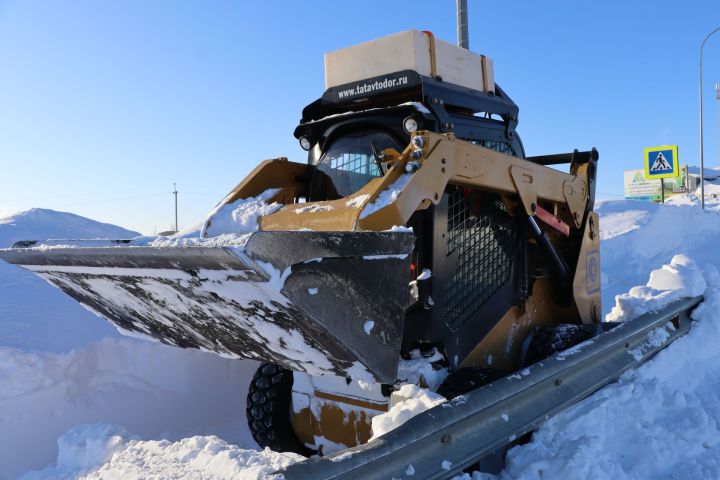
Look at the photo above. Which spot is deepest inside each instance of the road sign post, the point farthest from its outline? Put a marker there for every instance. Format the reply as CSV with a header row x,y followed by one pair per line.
x,y
662,190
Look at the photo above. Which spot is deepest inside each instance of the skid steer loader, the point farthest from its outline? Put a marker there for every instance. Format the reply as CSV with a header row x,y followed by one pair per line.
x,y
417,231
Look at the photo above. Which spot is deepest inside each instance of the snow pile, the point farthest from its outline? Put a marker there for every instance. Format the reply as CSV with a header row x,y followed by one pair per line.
x,y
682,278
387,196
659,421
151,389
241,216
421,370
228,224
637,237
104,451
82,449
413,401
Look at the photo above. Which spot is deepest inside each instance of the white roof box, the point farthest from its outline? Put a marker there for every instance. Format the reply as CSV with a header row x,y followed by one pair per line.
x,y
409,50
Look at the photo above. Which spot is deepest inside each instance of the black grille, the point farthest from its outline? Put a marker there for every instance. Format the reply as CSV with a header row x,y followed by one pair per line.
x,y
483,237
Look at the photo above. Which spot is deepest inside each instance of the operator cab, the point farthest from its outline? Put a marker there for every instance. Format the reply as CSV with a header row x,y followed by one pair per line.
x,y
349,163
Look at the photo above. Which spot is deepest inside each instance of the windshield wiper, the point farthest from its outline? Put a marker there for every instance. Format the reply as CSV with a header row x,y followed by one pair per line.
x,y
377,156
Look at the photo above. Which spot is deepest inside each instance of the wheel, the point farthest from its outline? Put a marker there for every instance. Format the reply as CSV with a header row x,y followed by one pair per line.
x,y
268,410
546,341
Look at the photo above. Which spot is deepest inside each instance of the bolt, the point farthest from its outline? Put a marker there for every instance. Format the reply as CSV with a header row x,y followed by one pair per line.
x,y
558,382
410,167
446,438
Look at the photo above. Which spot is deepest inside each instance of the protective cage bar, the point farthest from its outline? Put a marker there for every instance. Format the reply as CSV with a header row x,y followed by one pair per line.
x,y
474,426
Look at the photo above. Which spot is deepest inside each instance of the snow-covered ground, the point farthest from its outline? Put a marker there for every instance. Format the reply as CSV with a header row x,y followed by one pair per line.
x,y
660,421
61,366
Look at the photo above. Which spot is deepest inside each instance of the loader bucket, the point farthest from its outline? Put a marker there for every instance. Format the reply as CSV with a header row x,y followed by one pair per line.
x,y
318,302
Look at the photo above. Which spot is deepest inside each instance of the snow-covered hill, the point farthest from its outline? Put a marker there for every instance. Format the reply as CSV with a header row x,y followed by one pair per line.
x,y
42,224
61,366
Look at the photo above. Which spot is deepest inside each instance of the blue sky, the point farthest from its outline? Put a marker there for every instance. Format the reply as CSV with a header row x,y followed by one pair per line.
x,y
104,104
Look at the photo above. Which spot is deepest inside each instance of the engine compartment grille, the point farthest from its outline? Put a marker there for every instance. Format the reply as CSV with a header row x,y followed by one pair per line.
x,y
483,237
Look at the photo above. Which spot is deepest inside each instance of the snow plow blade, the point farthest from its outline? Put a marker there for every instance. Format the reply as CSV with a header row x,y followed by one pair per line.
x,y
322,303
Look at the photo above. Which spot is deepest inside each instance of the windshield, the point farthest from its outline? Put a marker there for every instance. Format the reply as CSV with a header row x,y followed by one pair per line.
x,y
349,164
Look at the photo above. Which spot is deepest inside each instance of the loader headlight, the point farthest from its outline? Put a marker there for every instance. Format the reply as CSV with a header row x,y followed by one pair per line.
x,y
305,143
410,125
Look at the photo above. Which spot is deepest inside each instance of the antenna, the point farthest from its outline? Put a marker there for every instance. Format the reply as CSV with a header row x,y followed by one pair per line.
x,y
175,192
462,24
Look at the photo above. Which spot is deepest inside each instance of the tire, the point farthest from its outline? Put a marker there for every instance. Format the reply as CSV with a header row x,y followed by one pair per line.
x,y
268,410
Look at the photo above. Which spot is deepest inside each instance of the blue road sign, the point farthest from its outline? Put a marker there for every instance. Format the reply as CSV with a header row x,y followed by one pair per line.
x,y
661,162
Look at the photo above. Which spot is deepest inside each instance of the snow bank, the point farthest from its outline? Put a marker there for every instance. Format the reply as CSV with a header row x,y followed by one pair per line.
x,y
151,389
104,451
637,237
413,401
682,278
82,449
658,421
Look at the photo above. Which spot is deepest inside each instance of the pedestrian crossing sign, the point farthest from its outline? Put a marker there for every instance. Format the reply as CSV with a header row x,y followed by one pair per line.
x,y
661,162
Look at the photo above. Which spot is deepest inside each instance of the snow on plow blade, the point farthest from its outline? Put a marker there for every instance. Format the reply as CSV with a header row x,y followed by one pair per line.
x,y
323,303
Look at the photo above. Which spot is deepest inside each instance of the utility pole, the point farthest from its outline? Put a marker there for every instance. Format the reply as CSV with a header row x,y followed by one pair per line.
x,y
702,164
717,97
176,215
462,24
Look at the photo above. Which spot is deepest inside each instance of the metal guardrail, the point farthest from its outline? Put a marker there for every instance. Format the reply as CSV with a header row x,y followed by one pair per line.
x,y
442,441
